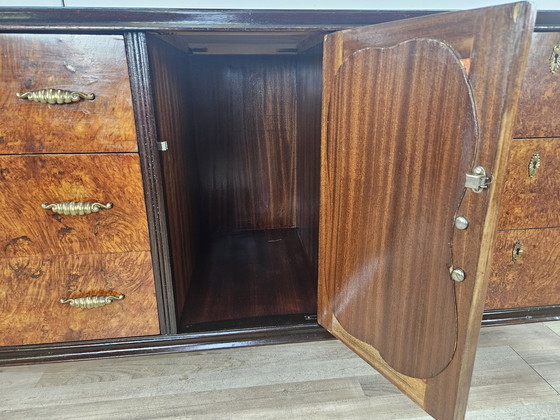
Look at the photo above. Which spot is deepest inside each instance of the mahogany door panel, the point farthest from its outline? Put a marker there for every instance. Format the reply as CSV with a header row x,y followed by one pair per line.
x,y
532,189
31,181
90,64
409,109
32,288
525,270
420,153
537,115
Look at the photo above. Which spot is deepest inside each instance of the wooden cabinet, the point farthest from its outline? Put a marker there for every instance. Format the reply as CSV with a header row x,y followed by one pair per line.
x,y
74,231
526,253
292,168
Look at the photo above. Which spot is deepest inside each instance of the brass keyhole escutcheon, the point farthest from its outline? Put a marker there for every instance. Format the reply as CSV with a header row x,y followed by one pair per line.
x,y
555,59
534,164
517,251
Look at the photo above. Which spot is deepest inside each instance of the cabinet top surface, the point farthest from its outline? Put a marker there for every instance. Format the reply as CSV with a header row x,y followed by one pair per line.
x,y
64,19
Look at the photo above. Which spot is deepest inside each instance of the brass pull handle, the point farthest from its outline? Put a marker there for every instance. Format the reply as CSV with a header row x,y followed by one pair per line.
x,y
517,251
534,164
88,302
73,208
555,59
54,96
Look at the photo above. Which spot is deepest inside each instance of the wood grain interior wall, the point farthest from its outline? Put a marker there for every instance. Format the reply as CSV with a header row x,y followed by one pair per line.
x,y
236,158
174,117
309,87
244,137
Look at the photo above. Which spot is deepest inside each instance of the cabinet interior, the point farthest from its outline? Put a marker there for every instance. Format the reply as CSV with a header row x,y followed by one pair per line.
x,y
241,115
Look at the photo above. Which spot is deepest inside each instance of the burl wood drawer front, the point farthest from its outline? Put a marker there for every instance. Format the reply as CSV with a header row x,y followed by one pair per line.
x,y
532,193
533,279
85,63
31,289
27,182
537,114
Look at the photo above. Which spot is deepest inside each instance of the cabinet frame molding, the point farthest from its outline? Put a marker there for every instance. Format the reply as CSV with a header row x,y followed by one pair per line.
x,y
141,87
119,20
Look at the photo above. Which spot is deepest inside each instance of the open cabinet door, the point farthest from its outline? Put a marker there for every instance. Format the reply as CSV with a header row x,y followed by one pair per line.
x,y
410,110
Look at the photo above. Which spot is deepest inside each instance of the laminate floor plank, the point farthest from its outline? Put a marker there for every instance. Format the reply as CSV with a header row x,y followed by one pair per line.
x,y
545,363
554,326
535,335
538,411
515,377
24,377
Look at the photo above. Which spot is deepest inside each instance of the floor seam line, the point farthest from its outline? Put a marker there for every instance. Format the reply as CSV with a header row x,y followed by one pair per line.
x,y
534,370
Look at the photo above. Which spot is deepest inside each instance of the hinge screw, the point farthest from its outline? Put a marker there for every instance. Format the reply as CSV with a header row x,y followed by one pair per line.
x,y
458,275
461,222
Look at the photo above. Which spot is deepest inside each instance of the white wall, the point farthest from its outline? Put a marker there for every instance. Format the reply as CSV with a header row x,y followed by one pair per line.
x,y
280,4
29,3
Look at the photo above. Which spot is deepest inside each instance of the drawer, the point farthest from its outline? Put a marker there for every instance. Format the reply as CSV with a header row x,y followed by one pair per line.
x,y
537,114
31,290
532,201
533,279
86,63
26,182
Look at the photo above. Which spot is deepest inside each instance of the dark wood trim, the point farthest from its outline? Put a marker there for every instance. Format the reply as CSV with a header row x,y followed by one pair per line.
x,y
169,20
548,21
242,333
141,87
83,19
510,316
139,346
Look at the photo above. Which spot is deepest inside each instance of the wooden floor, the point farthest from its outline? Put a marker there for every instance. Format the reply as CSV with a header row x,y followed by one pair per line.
x,y
517,376
253,273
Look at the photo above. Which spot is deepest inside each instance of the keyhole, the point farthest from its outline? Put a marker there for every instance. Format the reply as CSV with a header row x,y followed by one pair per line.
x,y
534,164
555,59
517,251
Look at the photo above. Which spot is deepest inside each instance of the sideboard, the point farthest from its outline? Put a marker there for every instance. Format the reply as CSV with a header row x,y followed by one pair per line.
x,y
176,180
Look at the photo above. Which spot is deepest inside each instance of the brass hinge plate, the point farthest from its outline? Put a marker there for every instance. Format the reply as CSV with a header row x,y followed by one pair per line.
x,y
477,180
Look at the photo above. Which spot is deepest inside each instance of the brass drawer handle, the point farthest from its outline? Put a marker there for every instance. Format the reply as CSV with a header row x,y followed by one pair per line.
x,y
517,251
555,59
73,208
534,164
54,96
88,302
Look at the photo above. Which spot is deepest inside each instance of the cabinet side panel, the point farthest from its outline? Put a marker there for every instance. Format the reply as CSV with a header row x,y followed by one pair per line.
x,y
174,116
309,81
142,98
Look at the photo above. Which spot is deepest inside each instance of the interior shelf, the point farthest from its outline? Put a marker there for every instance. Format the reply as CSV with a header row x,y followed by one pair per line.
x,y
250,274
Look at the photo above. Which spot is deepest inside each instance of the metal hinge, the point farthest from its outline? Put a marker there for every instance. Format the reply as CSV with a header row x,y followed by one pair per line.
x,y
162,146
477,180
